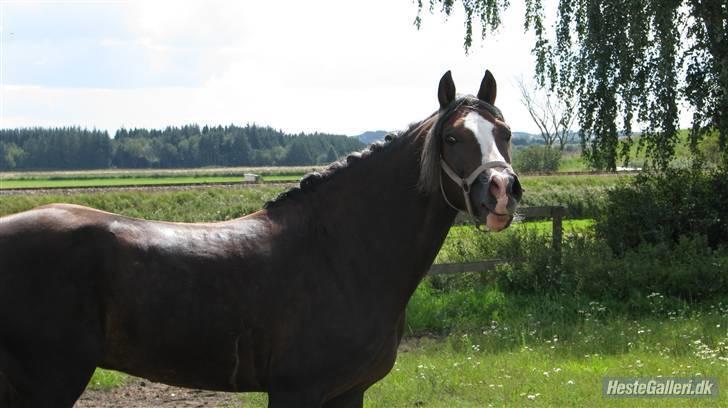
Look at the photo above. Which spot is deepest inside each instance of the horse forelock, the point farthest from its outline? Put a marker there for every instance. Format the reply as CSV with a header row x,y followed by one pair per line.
x,y
429,181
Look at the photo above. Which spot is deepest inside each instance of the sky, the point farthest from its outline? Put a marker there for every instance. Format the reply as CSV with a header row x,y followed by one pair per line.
x,y
333,66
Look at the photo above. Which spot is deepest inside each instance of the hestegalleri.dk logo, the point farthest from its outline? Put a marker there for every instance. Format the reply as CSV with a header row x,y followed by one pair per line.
x,y
652,387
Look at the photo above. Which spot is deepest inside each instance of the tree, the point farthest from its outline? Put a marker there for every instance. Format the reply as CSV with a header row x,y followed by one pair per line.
x,y
626,62
10,155
331,155
298,153
553,116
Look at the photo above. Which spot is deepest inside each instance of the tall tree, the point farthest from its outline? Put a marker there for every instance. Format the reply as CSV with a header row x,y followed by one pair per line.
x,y
552,115
626,61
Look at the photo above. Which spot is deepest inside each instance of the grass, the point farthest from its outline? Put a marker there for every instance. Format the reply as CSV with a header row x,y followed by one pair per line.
x,y
158,173
464,243
572,162
110,178
134,181
581,195
548,351
110,182
200,205
477,345
104,379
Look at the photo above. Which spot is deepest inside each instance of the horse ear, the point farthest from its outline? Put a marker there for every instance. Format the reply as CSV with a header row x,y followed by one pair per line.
x,y
488,88
446,90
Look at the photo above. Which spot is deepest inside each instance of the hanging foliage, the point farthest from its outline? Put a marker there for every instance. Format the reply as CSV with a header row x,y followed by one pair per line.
x,y
627,62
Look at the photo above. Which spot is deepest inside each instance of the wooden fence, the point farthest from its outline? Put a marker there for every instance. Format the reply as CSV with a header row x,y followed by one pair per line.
x,y
556,214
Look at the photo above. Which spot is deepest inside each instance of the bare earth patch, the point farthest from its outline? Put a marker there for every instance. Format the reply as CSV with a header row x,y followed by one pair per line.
x,y
139,393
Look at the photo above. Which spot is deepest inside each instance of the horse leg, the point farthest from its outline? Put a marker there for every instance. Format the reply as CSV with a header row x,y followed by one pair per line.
x,y
350,399
64,390
45,374
11,380
8,393
57,382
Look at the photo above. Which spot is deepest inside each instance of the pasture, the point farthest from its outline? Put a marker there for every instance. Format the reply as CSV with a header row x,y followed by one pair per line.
x,y
153,177
542,351
581,195
470,342
112,178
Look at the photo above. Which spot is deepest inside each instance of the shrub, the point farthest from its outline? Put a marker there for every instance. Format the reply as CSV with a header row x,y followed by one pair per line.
x,y
663,207
537,159
588,268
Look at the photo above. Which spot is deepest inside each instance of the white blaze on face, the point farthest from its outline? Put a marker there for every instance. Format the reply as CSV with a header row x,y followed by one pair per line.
x,y
484,132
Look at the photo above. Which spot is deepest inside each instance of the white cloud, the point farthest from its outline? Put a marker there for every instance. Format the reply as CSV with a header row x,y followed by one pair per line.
x,y
330,66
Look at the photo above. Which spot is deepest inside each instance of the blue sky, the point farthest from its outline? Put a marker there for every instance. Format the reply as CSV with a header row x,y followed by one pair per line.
x,y
331,65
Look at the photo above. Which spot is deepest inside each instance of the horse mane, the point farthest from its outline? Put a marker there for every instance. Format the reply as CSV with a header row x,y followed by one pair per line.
x,y
429,129
312,180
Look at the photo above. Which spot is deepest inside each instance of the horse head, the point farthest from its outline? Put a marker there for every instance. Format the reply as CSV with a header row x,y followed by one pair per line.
x,y
467,155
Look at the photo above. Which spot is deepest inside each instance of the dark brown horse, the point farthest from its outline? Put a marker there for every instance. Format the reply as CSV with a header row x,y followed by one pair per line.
x,y
303,300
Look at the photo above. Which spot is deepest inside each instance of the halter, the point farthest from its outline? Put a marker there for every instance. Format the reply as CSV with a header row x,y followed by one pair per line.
x,y
466,183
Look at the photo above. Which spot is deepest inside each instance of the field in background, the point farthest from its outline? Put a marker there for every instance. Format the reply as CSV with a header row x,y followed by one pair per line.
x,y
151,177
476,345
581,195
155,177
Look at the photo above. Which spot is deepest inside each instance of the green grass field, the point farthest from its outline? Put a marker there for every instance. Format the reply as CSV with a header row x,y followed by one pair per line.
x,y
540,352
142,177
111,182
581,195
134,181
111,178
473,344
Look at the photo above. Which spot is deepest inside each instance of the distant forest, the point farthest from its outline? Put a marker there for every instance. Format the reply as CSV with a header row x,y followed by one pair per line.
x,y
173,147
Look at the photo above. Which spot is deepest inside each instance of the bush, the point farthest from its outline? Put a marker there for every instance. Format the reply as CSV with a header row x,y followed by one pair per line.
x,y
662,208
536,159
689,270
588,268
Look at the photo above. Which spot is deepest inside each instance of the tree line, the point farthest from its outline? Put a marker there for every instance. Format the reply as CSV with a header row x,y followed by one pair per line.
x,y
173,147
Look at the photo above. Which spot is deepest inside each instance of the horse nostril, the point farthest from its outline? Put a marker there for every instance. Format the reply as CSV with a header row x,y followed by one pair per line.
x,y
514,188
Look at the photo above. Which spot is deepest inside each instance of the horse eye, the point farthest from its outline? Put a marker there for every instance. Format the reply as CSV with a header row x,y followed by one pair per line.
x,y
450,140
508,135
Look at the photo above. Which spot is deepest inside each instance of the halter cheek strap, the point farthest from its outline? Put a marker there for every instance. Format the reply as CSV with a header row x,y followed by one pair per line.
x,y
466,183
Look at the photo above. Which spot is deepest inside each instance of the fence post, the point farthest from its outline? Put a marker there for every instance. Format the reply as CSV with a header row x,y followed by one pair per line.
x,y
557,213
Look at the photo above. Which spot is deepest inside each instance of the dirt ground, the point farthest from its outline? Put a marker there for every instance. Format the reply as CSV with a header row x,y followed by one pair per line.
x,y
145,394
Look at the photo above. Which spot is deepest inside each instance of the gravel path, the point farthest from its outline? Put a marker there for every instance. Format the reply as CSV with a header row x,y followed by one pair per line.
x,y
145,394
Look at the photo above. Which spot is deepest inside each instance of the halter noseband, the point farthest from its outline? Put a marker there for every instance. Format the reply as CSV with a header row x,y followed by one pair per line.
x,y
466,183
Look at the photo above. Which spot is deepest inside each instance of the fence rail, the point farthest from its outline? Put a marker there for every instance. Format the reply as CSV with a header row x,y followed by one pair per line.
x,y
555,213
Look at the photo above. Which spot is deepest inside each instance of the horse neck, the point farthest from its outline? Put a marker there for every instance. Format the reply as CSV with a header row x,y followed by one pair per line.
x,y
374,217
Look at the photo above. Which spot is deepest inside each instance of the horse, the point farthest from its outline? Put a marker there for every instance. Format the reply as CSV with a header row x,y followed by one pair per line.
x,y
304,299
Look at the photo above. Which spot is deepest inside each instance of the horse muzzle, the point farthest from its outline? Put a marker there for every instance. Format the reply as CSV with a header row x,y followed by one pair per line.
x,y
495,197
